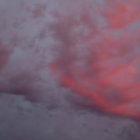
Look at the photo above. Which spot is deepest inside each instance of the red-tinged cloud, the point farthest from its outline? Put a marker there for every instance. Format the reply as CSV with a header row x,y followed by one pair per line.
x,y
119,14
105,67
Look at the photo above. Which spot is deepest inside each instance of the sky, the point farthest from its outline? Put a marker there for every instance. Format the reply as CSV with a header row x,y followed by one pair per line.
x,y
69,56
